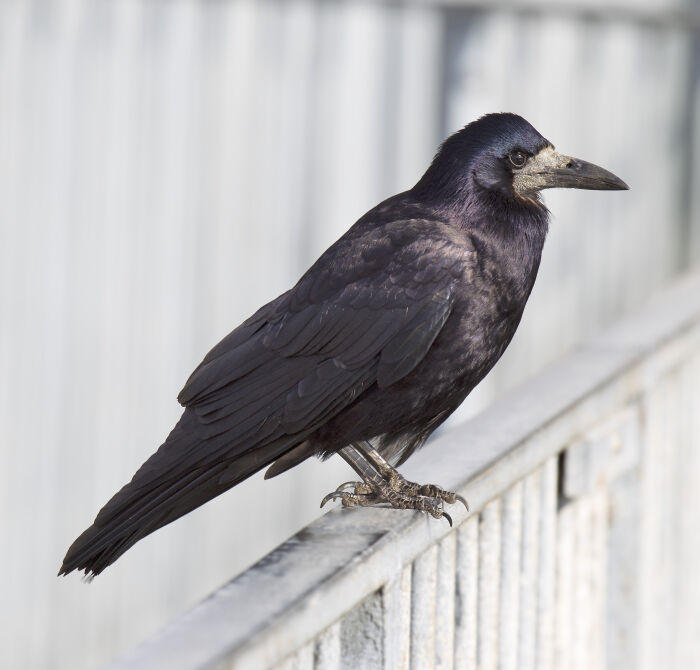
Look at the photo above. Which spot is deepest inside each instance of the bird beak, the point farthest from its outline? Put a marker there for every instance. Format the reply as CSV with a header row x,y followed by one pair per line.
x,y
549,169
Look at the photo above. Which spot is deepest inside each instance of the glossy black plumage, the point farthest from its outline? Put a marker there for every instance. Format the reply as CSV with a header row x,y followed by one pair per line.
x,y
383,337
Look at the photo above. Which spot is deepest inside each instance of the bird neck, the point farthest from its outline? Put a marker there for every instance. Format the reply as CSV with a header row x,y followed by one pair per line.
x,y
512,226
456,194
519,225
511,231
510,219
508,243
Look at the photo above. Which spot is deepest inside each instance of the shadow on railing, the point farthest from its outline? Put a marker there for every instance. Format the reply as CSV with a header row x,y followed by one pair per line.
x,y
581,550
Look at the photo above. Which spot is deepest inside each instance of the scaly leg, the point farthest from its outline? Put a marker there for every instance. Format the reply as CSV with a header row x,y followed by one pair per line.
x,y
378,486
397,481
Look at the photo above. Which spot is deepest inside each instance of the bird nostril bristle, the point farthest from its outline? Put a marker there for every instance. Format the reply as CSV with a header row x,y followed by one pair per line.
x,y
570,164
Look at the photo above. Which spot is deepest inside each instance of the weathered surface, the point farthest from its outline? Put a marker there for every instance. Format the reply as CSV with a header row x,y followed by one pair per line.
x,y
566,583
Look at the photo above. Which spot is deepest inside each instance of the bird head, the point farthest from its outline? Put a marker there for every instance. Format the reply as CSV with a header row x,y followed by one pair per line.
x,y
504,154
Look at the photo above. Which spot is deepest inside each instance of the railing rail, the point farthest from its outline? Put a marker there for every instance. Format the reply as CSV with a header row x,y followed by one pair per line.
x,y
678,15
578,551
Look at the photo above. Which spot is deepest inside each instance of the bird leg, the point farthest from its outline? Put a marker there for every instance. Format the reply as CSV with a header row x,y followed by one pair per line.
x,y
382,484
399,483
363,493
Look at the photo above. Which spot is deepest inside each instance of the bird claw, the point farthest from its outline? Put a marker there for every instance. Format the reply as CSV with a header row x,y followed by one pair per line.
x,y
384,484
330,497
349,498
463,500
346,485
401,485
448,496
366,495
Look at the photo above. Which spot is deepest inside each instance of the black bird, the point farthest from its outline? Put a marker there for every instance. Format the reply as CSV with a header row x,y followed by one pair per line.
x,y
373,348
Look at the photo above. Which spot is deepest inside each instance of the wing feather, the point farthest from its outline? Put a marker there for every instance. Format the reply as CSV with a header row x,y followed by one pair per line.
x,y
295,362
306,355
366,313
408,348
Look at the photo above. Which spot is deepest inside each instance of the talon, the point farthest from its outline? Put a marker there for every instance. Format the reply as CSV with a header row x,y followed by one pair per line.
x,y
383,485
463,500
330,496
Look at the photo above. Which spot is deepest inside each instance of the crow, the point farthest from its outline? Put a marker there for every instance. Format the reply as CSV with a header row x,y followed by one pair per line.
x,y
373,348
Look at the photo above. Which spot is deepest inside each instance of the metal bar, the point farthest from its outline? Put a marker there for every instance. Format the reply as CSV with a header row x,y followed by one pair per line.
x,y
489,573
327,653
344,557
527,620
681,16
565,581
397,621
467,587
423,591
361,635
544,653
511,548
445,603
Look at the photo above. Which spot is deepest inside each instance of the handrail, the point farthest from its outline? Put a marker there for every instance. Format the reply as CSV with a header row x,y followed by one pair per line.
x,y
679,16
316,577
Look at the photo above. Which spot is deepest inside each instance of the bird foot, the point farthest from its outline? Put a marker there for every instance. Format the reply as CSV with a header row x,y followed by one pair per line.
x,y
402,485
397,492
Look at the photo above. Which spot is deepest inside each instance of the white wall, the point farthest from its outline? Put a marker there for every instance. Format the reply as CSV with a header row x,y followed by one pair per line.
x,y
166,167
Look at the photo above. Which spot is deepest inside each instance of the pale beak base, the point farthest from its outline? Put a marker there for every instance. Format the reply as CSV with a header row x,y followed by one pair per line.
x,y
549,169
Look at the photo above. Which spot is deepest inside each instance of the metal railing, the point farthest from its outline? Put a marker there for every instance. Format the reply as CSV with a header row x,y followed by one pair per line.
x,y
154,158
581,550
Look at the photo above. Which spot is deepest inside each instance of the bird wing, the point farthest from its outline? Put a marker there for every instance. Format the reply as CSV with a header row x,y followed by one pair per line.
x,y
367,312
348,323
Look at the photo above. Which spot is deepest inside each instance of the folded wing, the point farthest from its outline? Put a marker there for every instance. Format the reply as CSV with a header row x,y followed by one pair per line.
x,y
272,382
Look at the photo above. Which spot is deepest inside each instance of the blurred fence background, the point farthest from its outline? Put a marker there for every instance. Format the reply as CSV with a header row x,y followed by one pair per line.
x,y
166,167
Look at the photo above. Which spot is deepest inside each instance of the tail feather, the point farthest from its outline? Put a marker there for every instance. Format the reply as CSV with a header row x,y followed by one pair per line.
x,y
101,545
138,510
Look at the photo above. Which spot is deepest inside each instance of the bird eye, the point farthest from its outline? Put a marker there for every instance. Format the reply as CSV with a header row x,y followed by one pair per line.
x,y
517,158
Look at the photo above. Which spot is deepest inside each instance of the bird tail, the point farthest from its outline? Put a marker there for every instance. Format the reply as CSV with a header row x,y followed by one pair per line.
x,y
147,511
148,503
